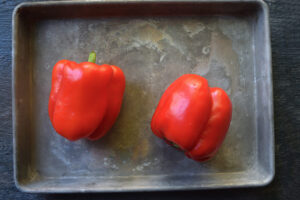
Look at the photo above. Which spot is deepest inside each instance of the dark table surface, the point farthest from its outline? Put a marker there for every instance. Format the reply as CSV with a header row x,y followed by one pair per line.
x,y
285,31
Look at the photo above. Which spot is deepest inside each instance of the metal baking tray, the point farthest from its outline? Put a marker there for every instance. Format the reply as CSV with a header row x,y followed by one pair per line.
x,y
154,42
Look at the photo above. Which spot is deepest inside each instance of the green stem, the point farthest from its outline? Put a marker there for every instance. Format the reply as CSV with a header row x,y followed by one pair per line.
x,y
92,57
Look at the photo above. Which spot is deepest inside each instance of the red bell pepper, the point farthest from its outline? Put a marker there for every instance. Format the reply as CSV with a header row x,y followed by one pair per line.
x,y
85,98
192,116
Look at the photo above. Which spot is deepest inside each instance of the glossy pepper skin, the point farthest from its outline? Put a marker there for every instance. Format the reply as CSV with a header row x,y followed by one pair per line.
x,y
193,116
85,99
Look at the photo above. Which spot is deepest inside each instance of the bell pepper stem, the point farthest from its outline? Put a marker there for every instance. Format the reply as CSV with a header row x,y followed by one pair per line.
x,y
92,57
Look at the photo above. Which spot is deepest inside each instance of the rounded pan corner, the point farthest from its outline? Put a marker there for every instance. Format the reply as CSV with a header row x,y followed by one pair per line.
x,y
266,180
263,6
21,187
18,9
25,187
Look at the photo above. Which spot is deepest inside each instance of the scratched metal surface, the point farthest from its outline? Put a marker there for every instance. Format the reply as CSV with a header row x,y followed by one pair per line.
x,y
152,51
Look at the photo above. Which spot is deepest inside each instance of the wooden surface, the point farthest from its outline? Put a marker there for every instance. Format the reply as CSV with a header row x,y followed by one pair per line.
x,y
285,31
